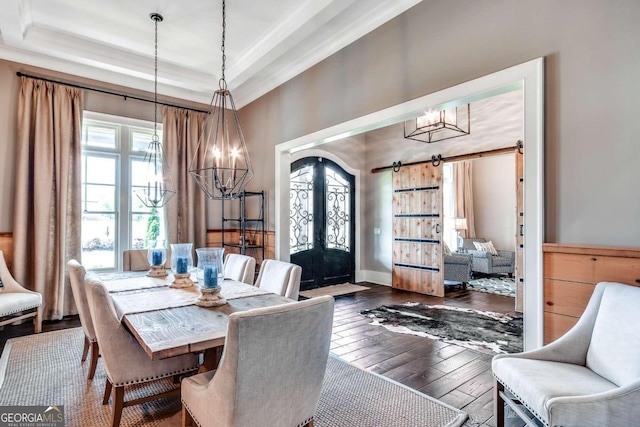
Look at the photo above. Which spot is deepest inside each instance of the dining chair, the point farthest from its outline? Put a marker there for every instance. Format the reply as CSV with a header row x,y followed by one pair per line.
x,y
135,260
589,377
240,267
124,359
76,277
271,371
280,277
16,300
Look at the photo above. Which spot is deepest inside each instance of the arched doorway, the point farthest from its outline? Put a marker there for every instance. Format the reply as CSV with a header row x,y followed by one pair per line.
x,y
322,222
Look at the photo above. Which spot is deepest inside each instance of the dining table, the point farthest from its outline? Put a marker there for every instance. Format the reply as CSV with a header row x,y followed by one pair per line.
x,y
167,322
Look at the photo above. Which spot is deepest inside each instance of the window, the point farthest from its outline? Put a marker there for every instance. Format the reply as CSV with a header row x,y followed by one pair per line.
x,y
448,204
113,218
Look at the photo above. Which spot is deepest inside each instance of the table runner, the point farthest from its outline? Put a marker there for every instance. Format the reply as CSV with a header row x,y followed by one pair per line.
x,y
158,298
128,281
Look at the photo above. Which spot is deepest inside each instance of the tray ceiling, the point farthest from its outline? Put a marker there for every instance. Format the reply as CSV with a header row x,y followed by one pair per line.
x,y
268,42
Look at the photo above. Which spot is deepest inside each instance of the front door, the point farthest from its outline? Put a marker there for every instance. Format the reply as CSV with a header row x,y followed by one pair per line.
x,y
322,222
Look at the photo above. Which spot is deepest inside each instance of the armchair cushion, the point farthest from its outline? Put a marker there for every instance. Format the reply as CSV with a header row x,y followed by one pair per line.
x,y
457,259
615,346
14,302
538,382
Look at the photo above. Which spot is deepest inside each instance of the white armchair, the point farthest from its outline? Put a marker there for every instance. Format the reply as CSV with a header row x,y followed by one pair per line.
x,y
124,360
280,277
271,371
240,267
16,300
590,377
76,277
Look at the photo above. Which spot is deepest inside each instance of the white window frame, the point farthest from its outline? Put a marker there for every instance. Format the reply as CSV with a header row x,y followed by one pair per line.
x,y
124,159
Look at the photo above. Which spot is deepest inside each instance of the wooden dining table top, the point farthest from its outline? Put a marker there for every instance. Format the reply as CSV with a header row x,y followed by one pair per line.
x,y
187,328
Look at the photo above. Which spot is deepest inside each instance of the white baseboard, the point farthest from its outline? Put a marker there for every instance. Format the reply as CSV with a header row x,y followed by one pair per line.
x,y
377,277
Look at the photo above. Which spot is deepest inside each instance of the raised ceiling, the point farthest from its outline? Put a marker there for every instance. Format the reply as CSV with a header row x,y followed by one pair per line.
x,y
268,42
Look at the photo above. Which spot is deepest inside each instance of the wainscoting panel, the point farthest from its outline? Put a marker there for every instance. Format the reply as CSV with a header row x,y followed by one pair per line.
x,y
570,275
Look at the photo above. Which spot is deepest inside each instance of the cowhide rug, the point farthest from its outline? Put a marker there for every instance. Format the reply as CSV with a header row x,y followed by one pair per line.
x,y
478,330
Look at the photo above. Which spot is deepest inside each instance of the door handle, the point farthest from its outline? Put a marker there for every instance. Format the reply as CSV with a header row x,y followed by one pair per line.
x,y
437,228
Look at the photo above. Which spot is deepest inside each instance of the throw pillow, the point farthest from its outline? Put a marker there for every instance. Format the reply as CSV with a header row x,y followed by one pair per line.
x,y
486,247
447,251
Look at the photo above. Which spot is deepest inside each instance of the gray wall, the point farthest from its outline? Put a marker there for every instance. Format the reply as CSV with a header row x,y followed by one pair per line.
x,y
591,96
592,108
494,200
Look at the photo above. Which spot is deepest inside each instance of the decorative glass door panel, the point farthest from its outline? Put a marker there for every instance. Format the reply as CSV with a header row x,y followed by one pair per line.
x,y
321,221
301,210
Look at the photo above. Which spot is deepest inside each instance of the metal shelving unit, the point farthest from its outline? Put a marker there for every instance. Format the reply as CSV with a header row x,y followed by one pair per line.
x,y
251,229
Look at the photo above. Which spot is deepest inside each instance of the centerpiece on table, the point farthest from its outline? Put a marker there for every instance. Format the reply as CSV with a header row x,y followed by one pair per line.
x,y
157,257
181,264
210,273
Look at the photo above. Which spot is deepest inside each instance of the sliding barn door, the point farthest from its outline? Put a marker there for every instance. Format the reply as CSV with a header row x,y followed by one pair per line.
x,y
519,273
417,229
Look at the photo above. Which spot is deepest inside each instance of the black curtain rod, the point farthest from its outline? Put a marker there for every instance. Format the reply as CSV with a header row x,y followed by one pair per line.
x,y
108,92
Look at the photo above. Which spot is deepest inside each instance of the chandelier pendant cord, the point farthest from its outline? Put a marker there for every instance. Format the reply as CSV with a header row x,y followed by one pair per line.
x,y
155,80
223,82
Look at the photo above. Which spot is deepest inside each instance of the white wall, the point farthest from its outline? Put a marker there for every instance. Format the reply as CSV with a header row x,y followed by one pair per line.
x,y
494,200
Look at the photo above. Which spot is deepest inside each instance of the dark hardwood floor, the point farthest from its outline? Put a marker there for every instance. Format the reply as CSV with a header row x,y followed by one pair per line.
x,y
453,374
450,373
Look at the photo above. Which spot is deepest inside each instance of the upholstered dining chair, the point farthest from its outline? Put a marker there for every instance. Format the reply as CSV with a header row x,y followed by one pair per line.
x,y
588,377
124,360
280,277
16,300
136,260
240,267
76,277
271,370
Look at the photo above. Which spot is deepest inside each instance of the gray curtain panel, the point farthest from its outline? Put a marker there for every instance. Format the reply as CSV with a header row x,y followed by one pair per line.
x,y
47,206
186,213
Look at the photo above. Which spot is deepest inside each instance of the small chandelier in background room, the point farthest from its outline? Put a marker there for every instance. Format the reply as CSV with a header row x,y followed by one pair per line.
x,y
222,168
159,188
439,125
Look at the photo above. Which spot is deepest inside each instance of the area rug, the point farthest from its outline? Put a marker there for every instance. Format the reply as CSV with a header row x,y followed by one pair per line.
x,y
479,330
45,369
333,290
494,285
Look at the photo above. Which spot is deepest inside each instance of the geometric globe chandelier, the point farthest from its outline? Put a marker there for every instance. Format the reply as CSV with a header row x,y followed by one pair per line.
x,y
159,187
221,165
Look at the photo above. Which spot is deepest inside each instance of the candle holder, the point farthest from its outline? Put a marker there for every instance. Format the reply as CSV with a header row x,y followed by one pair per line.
x,y
210,257
157,258
210,297
181,264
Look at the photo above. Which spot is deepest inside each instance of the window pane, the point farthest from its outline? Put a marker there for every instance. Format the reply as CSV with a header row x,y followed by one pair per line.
x,y
98,243
138,172
100,170
147,230
138,182
100,136
140,138
301,210
338,200
100,198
